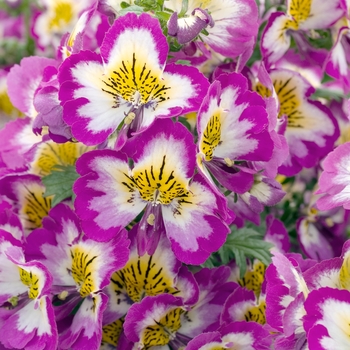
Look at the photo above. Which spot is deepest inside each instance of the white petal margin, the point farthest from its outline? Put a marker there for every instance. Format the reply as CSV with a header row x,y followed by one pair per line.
x,y
331,308
117,206
234,138
185,222
315,126
31,327
10,281
34,316
173,149
276,41
100,106
322,14
229,16
59,260
139,42
86,329
181,91
242,340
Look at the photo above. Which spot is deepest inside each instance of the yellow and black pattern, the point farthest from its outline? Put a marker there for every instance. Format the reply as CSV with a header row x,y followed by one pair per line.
x,y
142,277
344,273
163,331
63,15
262,90
290,101
6,105
31,280
50,154
83,268
136,83
157,183
299,10
286,90
34,206
211,136
254,278
111,332
256,313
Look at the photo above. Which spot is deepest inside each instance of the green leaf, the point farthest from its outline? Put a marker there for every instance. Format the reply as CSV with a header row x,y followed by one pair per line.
x,y
183,62
59,183
242,244
133,8
209,263
162,16
327,94
321,39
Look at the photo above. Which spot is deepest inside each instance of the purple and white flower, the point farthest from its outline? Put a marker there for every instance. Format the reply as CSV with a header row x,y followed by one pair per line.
x,y
110,194
128,83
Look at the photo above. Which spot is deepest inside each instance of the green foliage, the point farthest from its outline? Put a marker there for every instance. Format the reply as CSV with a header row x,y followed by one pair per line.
x,y
321,39
184,122
11,49
241,245
59,183
328,94
132,8
183,62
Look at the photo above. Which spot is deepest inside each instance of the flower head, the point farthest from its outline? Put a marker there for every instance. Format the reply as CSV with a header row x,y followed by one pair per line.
x,y
128,83
110,194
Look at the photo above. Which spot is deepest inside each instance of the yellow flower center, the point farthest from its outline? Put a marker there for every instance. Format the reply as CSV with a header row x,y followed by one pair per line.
x,y
31,281
50,154
83,267
256,313
299,10
344,274
143,276
254,278
35,206
63,15
211,136
136,83
163,331
157,183
111,332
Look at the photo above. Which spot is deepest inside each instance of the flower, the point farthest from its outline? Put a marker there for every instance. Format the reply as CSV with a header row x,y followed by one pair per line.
x,y
333,181
110,194
327,319
301,16
310,130
128,83
26,313
232,126
81,268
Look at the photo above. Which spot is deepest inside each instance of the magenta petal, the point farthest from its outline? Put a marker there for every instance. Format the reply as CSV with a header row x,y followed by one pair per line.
x,y
86,329
23,81
87,189
13,337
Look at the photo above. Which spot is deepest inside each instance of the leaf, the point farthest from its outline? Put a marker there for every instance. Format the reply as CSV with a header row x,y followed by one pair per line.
x,y
59,183
183,62
242,244
133,8
209,263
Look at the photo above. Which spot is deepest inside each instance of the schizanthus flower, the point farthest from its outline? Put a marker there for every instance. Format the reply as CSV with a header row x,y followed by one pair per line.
x,y
127,83
110,194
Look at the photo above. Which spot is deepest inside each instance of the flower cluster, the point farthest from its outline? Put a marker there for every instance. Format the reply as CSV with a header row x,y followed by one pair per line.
x,y
174,174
